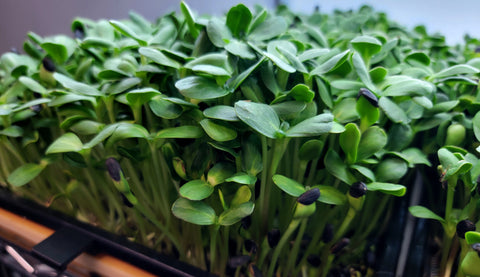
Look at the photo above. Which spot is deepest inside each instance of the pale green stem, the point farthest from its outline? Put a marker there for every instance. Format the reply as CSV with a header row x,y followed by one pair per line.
x,y
296,247
283,240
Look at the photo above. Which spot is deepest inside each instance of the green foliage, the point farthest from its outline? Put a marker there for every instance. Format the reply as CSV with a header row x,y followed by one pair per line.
x,y
217,118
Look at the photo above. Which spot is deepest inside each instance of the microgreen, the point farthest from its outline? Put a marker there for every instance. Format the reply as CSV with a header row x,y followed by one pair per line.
x,y
300,125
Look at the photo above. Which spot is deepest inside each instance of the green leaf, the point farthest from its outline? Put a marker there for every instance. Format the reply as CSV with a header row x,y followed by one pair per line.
x,y
24,174
60,48
452,165
422,212
331,64
476,125
236,81
367,46
238,20
365,171
127,31
368,112
189,18
362,71
221,112
87,127
200,88
444,106
138,97
158,57
104,133
181,132
251,155
378,74
69,142
196,190
337,167
472,237
418,58
32,85
314,126
96,42
70,98
12,131
302,92
161,107
388,188
218,32
122,85
219,172
393,111
372,140
349,142
331,195
456,70
391,169
270,28
288,185
311,150
195,212
275,59
423,101
211,70
242,178
218,131
312,54
127,130
240,48
324,92
289,110
407,86
345,111
235,214
76,87
415,156
261,117
242,195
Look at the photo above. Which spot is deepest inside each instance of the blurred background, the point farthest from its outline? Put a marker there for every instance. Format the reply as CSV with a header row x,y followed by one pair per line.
x,y
48,17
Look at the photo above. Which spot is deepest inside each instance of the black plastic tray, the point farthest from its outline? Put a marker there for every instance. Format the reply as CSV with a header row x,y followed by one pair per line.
x,y
101,240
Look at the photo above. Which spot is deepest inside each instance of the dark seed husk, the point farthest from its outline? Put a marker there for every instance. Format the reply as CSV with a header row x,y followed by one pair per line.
x,y
113,168
79,33
314,260
238,261
309,197
273,237
476,247
358,189
246,222
369,96
327,234
250,246
339,246
48,64
36,108
464,226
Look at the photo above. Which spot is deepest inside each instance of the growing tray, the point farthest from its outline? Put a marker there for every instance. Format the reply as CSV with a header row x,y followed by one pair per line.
x,y
72,248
